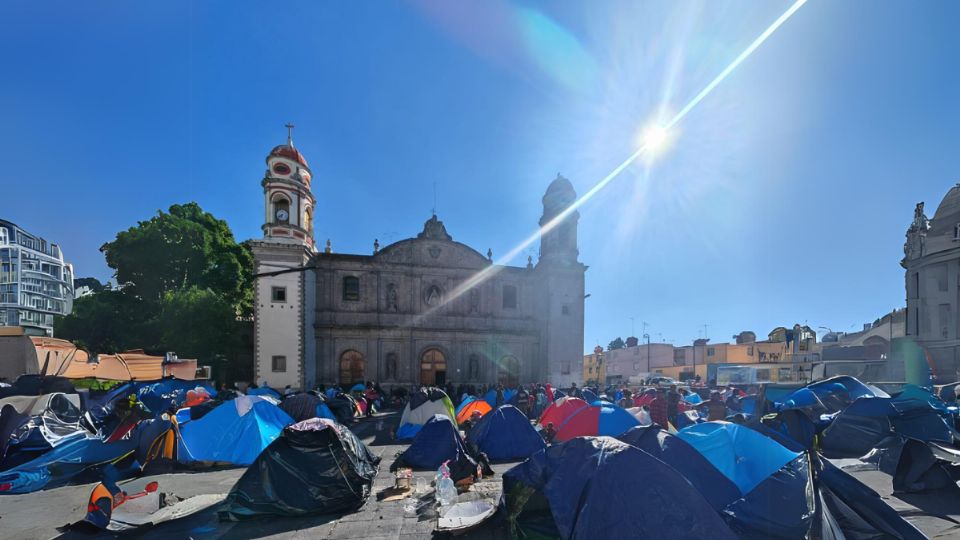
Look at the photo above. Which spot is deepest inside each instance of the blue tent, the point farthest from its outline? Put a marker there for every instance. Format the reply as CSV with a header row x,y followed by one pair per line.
x,y
505,434
674,451
264,391
436,442
466,401
599,487
868,421
63,462
774,482
235,432
491,396
838,392
589,395
159,396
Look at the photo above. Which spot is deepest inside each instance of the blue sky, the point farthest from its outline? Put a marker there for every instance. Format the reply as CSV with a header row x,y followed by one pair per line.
x,y
783,197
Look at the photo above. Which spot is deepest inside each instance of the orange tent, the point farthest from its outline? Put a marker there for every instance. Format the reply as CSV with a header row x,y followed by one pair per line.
x,y
478,405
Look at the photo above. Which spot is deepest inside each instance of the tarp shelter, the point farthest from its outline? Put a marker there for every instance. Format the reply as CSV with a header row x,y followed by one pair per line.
x,y
46,420
134,365
595,420
505,434
23,355
438,441
235,432
560,410
589,395
423,406
304,406
774,482
599,487
467,410
315,467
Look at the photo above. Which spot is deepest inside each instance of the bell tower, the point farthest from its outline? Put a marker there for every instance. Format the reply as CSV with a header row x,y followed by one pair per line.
x,y
560,283
558,241
285,293
287,199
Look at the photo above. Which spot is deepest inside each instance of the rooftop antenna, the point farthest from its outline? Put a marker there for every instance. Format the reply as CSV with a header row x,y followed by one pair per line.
x,y
289,126
705,327
434,210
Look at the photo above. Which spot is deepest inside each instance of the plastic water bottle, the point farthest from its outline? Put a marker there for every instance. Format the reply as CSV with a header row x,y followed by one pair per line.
x,y
479,472
446,491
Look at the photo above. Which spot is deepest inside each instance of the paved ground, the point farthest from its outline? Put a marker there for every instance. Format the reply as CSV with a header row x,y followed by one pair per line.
x,y
37,515
936,514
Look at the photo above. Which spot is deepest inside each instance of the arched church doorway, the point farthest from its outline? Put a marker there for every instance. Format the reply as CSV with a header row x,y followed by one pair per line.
x,y
433,368
508,372
352,366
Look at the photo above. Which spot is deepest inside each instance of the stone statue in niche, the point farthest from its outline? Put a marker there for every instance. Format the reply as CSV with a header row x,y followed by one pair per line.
x,y
392,303
474,301
432,296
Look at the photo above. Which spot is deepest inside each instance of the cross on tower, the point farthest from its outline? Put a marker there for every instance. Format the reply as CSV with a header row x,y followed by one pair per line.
x,y
289,127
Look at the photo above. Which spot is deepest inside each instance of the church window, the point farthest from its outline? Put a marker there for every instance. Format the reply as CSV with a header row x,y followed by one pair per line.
x,y
278,294
351,288
279,364
509,297
281,169
956,232
565,309
391,366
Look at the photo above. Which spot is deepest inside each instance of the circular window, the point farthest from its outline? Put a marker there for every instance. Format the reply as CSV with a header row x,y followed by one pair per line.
x,y
281,168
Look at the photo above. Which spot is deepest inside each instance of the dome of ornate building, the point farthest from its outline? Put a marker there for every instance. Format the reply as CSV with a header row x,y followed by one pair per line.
x,y
289,152
932,281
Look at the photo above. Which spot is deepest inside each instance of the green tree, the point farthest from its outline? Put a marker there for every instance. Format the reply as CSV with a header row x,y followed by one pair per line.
x,y
186,286
183,248
104,322
616,344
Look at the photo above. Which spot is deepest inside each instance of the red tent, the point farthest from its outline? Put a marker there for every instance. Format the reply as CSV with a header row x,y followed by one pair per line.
x,y
560,410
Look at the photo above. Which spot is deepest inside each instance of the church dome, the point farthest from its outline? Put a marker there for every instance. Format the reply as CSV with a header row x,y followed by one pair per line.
x,y
950,205
560,185
289,152
560,194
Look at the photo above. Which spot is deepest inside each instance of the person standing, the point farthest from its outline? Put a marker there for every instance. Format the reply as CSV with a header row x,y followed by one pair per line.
x,y
658,409
673,404
716,408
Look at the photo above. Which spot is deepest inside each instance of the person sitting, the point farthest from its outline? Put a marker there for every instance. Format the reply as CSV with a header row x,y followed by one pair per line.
x,y
471,422
549,433
627,400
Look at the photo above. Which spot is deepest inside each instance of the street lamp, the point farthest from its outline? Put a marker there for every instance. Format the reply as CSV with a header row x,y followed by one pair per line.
x,y
647,337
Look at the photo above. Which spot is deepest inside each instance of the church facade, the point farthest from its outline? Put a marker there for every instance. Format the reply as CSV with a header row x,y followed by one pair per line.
x,y
932,281
425,310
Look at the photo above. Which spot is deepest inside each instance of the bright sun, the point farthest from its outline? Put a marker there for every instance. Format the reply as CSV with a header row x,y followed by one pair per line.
x,y
655,138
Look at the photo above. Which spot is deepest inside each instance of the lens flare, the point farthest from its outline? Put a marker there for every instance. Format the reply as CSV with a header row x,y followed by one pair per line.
x,y
655,137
